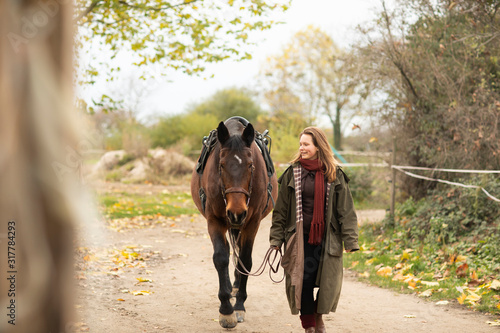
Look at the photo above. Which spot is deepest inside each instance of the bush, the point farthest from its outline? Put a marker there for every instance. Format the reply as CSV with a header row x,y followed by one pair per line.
x,y
446,214
361,184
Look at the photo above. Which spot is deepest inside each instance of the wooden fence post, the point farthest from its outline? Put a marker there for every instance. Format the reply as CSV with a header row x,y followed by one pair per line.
x,y
393,180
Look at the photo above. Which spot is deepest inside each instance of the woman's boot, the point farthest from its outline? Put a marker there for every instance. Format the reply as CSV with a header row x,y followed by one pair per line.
x,y
308,323
320,324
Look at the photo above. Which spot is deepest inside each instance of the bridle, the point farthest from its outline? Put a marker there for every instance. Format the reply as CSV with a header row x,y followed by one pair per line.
x,y
273,262
236,189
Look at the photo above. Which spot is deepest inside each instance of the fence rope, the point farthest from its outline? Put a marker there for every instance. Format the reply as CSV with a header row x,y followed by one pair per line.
x,y
411,174
398,167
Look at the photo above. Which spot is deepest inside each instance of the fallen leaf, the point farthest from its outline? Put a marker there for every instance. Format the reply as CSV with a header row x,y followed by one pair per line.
x,y
473,297
365,274
461,299
495,285
120,299
143,279
430,283
442,303
370,261
462,270
405,255
140,292
354,264
493,323
385,271
427,293
410,316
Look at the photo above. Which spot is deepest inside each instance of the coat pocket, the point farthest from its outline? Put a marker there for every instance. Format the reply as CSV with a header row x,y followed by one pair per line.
x,y
334,240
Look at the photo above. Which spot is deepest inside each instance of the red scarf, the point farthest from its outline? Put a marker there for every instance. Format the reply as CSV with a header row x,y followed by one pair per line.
x,y
318,221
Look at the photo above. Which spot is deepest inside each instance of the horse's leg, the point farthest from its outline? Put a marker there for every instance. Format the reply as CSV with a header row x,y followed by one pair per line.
x,y
237,275
247,240
227,317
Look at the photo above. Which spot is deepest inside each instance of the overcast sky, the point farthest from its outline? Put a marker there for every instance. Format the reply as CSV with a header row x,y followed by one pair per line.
x,y
336,17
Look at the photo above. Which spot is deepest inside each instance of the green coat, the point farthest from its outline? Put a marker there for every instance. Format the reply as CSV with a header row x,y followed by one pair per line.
x,y
341,227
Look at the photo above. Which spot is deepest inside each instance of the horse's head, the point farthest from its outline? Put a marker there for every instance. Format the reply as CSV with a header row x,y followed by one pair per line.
x,y
236,172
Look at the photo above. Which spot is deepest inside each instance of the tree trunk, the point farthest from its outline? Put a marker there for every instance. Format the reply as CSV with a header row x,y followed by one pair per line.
x,y
39,166
337,134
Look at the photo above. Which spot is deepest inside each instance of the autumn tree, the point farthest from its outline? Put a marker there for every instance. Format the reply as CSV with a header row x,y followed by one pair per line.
x,y
180,34
437,64
316,76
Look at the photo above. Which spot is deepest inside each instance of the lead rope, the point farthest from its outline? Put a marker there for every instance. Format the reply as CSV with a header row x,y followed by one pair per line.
x,y
267,260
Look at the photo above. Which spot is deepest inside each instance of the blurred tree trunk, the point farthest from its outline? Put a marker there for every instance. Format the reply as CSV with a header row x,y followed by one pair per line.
x,y
39,166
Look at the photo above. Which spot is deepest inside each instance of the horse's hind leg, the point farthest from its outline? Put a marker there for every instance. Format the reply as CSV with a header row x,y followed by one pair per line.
x,y
227,317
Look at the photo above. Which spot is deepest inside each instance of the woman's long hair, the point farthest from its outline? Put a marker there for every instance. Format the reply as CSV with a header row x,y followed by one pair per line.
x,y
325,154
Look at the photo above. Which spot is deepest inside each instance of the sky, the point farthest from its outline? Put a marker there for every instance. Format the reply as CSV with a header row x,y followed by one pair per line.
x,y
338,18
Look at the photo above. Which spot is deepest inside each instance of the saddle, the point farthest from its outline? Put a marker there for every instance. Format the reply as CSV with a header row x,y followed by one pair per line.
x,y
263,140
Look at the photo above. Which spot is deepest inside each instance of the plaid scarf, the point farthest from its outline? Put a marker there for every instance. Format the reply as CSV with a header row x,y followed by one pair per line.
x,y
318,221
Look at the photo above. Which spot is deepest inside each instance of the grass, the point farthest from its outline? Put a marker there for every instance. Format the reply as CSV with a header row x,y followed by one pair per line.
x,y
432,272
122,204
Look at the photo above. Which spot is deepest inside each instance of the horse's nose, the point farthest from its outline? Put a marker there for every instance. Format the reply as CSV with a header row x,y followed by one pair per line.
x,y
236,219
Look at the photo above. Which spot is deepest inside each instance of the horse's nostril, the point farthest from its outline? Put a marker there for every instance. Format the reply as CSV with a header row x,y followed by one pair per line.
x,y
236,219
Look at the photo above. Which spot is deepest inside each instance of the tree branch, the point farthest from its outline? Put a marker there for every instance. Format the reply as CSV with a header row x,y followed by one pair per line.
x,y
87,10
157,9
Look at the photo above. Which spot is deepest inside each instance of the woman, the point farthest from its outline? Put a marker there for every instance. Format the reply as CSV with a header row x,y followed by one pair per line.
x,y
313,216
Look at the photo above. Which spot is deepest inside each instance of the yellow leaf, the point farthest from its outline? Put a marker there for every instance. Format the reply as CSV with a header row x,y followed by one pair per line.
x,y
385,271
354,264
140,292
461,258
365,275
473,297
120,299
495,285
143,279
462,298
370,261
405,256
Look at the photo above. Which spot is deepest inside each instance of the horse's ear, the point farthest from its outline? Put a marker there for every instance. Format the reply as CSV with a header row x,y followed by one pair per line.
x,y
248,135
222,133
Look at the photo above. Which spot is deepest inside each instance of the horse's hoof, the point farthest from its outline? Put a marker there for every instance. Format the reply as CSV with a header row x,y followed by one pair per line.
x,y
240,315
228,321
234,291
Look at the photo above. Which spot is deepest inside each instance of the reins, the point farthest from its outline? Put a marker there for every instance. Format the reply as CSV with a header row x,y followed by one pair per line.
x,y
267,260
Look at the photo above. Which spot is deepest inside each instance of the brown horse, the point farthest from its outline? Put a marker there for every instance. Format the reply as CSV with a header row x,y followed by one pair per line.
x,y
235,183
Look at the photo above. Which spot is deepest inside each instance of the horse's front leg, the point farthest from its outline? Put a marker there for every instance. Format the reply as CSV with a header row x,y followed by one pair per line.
x,y
227,317
246,259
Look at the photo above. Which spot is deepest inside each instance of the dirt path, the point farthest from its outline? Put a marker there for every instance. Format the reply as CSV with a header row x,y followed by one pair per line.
x,y
177,258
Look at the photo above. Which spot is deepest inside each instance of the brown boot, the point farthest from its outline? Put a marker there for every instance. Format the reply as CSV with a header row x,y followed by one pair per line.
x,y
320,325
